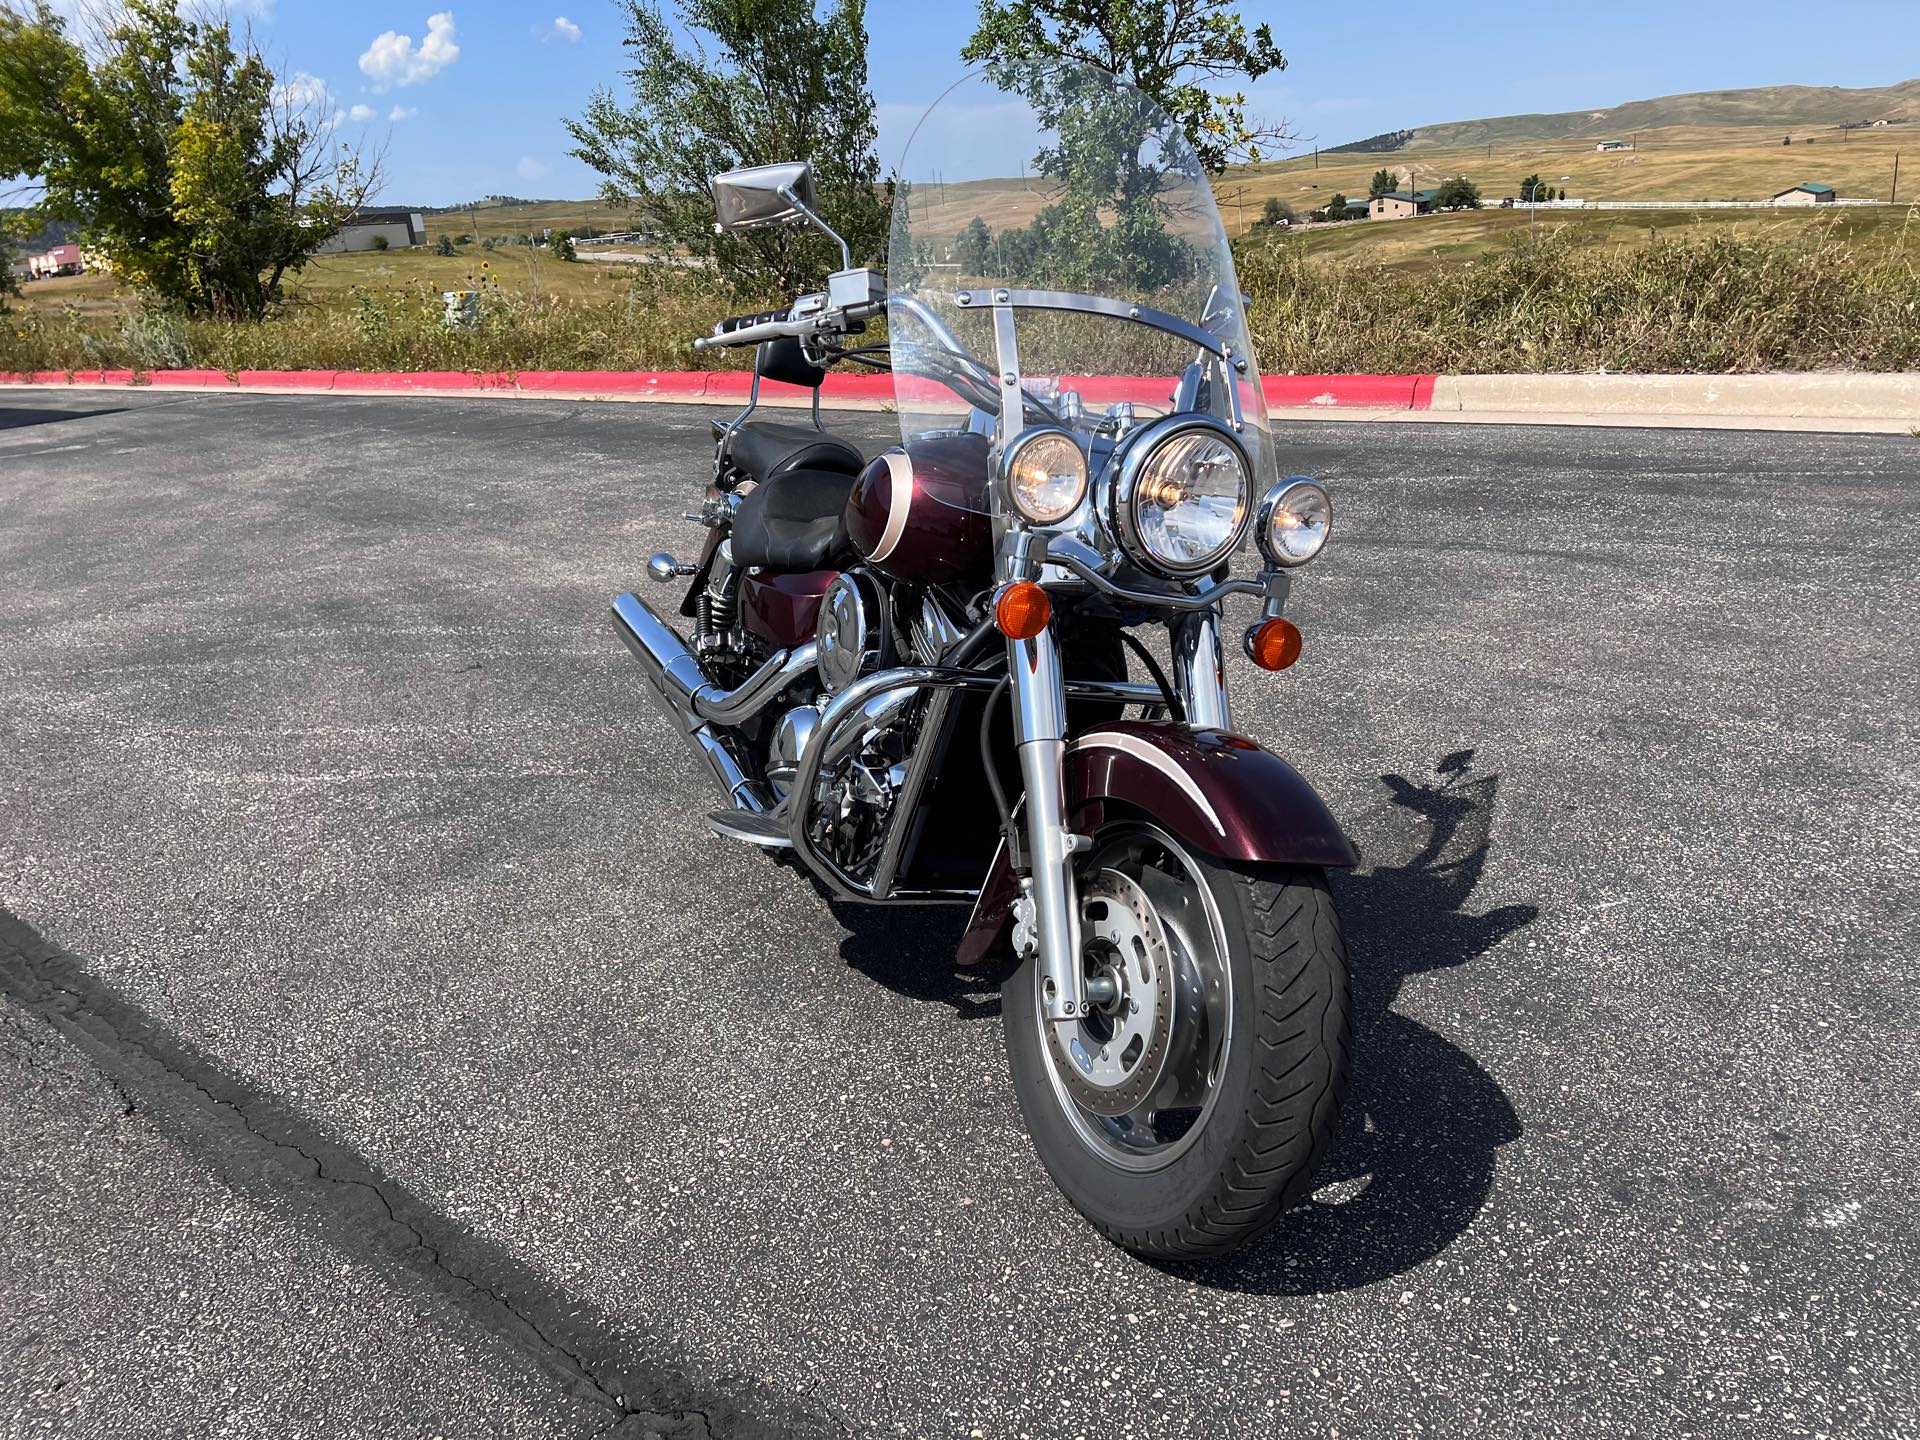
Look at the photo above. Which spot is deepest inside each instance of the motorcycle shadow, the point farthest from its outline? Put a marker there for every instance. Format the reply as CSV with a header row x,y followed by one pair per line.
x,y
1423,1121
910,951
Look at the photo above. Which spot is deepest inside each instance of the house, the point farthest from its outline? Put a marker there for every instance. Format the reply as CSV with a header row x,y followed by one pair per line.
x,y
1608,146
61,260
1807,193
401,228
1401,204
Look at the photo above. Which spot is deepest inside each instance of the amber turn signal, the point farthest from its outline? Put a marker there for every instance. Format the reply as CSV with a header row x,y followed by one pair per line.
x,y
1022,610
1274,644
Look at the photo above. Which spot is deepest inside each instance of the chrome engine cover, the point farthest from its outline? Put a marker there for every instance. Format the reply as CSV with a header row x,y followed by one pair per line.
x,y
790,738
849,632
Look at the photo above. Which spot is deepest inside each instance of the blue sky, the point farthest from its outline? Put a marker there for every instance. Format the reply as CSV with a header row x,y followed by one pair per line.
x,y
469,95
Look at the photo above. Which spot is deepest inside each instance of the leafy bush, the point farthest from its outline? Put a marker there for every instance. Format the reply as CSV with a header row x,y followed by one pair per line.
x,y
444,247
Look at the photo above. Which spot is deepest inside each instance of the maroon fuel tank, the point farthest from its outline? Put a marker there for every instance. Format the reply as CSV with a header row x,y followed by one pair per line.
x,y
919,513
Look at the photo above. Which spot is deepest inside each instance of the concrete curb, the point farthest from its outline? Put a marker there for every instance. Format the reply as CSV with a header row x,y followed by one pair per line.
x,y
1893,398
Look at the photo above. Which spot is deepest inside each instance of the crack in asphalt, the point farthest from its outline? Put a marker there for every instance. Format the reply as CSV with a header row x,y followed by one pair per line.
x,y
219,1118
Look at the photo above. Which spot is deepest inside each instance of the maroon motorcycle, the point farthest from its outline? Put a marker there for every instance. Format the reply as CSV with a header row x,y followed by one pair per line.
x,y
924,677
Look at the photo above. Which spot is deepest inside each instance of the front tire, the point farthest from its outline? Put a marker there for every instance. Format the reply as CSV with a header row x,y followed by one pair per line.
x,y
1231,1107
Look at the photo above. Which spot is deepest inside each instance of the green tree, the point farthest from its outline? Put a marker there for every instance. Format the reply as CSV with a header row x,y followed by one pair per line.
x,y
1383,184
753,82
444,246
1173,50
973,248
197,174
1531,190
1276,211
1336,208
1458,193
560,245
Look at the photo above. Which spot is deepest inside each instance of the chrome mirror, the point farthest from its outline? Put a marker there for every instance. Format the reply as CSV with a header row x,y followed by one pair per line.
x,y
763,195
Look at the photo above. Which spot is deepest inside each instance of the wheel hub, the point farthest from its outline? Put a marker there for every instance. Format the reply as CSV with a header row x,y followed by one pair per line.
x,y
1111,1060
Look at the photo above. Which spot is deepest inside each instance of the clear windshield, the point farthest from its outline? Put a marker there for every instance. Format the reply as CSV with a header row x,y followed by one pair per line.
x,y
1068,181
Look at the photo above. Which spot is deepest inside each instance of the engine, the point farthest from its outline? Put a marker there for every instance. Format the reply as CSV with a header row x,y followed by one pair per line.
x,y
861,776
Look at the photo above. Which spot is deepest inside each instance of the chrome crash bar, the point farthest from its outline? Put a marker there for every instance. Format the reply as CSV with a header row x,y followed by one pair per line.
x,y
881,699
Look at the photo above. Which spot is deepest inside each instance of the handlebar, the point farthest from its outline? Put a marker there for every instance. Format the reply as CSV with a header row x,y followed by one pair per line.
x,y
774,325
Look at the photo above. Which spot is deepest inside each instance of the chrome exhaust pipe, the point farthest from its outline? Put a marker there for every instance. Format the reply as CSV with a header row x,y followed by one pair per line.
x,y
701,710
674,676
678,680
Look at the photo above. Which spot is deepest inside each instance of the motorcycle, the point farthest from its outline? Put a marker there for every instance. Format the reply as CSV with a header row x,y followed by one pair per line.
x,y
922,677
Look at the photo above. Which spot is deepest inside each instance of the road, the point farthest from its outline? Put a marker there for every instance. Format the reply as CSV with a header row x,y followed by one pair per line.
x,y
386,1048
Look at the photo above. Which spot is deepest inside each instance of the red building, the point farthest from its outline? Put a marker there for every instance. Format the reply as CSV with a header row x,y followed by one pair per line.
x,y
61,260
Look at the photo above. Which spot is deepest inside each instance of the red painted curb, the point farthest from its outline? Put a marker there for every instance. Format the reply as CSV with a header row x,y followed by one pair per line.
x,y
1283,392
689,383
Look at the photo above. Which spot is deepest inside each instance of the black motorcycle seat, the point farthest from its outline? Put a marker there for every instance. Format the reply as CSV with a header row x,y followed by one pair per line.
x,y
794,521
766,448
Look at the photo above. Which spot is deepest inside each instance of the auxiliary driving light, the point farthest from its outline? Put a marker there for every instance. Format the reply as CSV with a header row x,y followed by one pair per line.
x,y
1046,476
1294,522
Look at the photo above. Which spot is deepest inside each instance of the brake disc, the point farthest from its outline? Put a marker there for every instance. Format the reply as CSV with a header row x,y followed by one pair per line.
x,y
1110,1061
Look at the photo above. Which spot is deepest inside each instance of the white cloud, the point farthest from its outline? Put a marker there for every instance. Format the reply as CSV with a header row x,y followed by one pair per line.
x,y
301,89
402,112
392,59
561,29
360,112
532,169
308,97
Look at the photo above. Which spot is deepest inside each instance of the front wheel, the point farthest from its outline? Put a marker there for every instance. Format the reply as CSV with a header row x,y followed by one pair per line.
x,y
1190,1107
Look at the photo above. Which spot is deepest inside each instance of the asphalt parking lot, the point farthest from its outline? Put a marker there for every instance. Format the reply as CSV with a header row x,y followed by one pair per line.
x,y
386,1048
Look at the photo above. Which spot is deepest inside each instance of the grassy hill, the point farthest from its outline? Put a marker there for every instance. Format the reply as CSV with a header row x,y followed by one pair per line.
x,y
1772,106
1677,163
527,218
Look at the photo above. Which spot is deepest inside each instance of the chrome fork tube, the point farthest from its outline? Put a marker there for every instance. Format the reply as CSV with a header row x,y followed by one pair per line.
x,y
1040,736
1199,672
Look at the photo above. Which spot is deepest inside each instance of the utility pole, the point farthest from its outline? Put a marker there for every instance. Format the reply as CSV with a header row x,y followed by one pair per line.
x,y
1895,196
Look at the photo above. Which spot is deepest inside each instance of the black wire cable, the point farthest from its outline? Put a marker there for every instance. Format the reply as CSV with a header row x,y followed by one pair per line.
x,y
1174,708
987,763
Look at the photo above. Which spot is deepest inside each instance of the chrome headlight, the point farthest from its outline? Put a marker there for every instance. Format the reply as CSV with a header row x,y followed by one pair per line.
x,y
1294,522
1183,497
1046,476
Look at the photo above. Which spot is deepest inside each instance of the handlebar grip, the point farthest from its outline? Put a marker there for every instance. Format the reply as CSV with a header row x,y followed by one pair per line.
x,y
741,322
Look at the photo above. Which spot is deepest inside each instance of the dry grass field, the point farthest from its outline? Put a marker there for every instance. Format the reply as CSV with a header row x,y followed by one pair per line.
x,y
1438,240
1676,163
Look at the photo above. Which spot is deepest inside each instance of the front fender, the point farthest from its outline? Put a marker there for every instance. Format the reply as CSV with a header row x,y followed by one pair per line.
x,y
1218,792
